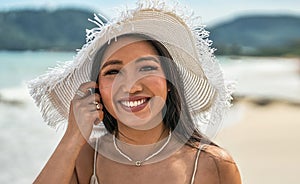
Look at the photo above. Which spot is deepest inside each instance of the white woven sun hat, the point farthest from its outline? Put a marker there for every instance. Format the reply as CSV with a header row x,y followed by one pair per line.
x,y
179,31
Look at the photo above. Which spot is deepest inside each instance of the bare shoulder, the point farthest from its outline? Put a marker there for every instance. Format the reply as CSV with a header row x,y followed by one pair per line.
x,y
218,166
218,153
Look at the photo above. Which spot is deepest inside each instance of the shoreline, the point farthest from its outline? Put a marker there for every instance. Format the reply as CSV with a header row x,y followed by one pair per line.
x,y
263,101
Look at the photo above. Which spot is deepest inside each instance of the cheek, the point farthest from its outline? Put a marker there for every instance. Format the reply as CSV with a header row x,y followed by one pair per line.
x,y
106,97
158,85
105,85
105,82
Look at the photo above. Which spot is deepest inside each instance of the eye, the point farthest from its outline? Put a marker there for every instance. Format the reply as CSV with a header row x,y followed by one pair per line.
x,y
111,72
148,68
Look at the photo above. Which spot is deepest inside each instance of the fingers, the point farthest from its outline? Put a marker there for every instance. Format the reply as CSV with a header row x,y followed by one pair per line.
x,y
86,96
90,103
84,114
85,110
87,85
91,99
85,89
95,106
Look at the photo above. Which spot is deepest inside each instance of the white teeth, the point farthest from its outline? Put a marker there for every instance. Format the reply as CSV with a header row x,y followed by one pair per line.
x,y
126,103
133,103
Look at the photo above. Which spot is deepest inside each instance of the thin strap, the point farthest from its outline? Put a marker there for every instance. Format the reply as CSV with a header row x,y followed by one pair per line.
x,y
94,179
196,162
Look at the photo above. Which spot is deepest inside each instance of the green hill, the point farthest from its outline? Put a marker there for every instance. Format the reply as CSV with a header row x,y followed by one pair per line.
x,y
258,35
41,29
64,29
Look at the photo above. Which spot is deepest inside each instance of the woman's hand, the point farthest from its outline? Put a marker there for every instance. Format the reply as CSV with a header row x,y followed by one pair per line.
x,y
84,113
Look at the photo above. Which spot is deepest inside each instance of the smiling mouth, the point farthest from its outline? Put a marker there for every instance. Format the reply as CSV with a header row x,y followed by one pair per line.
x,y
134,105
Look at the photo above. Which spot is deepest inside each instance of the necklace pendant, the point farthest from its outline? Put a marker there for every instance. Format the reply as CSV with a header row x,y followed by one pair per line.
x,y
138,163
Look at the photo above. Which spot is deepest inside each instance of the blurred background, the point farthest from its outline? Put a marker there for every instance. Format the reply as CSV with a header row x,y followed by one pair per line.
x,y
258,46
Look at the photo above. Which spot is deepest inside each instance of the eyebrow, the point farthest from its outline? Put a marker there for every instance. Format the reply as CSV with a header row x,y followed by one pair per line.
x,y
112,62
119,62
147,58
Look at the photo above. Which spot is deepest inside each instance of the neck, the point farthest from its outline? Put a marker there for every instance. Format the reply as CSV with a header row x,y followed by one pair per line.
x,y
141,137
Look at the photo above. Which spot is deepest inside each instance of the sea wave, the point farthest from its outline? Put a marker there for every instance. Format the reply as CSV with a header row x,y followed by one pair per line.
x,y
271,78
25,139
15,96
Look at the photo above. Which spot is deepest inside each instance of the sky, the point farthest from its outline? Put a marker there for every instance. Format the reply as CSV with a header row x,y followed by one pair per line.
x,y
211,11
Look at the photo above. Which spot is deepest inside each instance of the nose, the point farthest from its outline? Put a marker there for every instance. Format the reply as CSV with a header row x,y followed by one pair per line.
x,y
130,83
134,88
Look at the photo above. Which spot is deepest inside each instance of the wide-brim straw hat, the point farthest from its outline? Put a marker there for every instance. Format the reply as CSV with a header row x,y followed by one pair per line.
x,y
207,95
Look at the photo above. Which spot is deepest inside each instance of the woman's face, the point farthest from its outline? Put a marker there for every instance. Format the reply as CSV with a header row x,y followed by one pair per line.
x,y
132,83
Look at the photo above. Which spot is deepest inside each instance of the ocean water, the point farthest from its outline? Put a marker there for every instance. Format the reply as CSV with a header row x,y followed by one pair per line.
x,y
272,78
26,142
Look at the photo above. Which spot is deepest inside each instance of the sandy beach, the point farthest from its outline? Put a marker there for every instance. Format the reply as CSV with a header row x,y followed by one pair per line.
x,y
264,141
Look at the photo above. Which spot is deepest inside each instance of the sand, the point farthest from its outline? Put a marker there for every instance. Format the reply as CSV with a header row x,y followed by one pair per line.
x,y
265,142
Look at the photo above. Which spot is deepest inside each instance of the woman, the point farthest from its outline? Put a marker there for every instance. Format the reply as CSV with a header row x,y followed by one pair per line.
x,y
158,85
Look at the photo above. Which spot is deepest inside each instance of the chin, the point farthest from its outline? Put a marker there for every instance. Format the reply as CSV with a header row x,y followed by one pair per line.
x,y
141,123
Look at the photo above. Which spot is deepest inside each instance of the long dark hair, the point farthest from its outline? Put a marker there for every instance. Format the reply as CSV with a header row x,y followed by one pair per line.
x,y
177,117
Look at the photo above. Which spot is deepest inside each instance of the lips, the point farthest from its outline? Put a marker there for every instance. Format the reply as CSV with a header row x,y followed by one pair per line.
x,y
134,104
